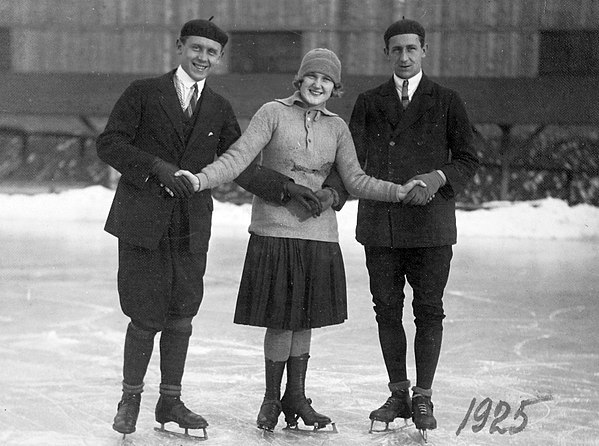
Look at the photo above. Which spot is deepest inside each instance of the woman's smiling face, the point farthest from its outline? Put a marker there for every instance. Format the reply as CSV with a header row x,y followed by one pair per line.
x,y
316,88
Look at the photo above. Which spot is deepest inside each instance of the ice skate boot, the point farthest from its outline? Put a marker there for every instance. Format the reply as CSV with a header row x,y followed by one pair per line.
x,y
171,408
269,414
127,412
271,405
294,403
422,414
398,405
295,408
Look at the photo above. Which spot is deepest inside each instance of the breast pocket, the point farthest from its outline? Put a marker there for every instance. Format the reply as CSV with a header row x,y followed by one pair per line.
x,y
432,134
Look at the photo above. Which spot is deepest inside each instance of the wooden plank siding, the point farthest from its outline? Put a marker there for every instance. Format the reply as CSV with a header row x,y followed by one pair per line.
x,y
502,101
467,38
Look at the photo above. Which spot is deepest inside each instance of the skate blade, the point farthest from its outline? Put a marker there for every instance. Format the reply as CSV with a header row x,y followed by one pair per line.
x,y
265,430
423,434
185,435
315,430
387,428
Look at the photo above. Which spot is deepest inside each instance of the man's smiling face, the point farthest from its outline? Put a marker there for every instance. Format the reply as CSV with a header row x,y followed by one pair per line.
x,y
199,55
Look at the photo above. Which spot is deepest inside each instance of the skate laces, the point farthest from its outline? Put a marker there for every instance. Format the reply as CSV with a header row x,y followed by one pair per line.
x,y
423,405
394,400
390,401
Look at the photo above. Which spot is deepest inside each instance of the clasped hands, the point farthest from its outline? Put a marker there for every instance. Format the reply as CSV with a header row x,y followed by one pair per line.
x,y
180,183
422,194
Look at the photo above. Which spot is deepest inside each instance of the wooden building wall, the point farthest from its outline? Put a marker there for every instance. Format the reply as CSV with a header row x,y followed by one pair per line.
x,y
466,37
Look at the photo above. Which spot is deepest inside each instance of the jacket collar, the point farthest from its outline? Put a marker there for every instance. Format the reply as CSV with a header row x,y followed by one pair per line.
x,y
390,104
170,104
296,99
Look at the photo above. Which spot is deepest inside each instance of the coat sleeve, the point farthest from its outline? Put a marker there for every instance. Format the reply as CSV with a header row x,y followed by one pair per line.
x,y
263,182
464,160
115,144
334,181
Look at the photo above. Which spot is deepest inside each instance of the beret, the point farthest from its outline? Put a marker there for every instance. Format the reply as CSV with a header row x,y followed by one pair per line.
x,y
404,26
204,28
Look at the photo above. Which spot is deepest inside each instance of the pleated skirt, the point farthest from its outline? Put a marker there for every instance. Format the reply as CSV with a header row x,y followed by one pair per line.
x,y
291,284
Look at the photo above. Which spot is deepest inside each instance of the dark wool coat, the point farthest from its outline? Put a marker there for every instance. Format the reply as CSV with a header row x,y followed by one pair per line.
x,y
434,132
147,122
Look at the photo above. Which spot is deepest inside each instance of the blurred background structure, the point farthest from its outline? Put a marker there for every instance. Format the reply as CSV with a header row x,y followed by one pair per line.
x,y
528,71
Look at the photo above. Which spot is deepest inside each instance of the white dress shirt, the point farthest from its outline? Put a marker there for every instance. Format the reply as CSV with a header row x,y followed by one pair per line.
x,y
184,86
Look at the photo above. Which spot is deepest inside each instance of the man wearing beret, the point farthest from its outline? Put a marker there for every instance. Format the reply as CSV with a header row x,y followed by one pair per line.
x,y
411,128
157,127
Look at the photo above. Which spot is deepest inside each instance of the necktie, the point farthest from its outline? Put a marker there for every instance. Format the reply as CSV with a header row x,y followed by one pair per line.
x,y
193,102
405,99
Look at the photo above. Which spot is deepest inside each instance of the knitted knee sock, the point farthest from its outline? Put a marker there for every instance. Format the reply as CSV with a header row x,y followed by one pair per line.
x,y
277,344
300,342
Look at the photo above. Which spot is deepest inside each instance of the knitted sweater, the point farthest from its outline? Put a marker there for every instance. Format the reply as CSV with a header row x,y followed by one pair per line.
x,y
304,144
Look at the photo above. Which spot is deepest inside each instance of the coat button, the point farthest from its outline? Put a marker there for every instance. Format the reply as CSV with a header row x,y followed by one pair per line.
x,y
392,143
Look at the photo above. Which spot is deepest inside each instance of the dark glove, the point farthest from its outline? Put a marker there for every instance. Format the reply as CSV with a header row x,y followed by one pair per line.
x,y
419,195
180,186
304,196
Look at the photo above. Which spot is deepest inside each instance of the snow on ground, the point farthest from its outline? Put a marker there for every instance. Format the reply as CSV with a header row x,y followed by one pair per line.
x,y
541,219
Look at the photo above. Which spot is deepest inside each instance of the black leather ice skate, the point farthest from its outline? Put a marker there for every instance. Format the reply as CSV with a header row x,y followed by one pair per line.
x,y
398,405
127,413
422,414
294,403
172,409
269,414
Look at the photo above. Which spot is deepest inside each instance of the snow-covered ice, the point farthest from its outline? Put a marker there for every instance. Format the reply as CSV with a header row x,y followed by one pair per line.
x,y
522,318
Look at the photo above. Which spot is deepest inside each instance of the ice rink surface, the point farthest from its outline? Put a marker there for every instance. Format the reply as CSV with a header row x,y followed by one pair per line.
x,y
520,346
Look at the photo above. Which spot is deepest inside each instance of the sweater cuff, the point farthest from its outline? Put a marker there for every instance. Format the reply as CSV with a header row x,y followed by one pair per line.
x,y
203,179
442,175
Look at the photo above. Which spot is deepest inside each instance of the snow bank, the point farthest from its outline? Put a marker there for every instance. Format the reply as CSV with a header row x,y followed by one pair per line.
x,y
541,219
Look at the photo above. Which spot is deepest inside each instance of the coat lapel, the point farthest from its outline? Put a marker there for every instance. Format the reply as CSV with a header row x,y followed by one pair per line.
x,y
388,106
420,103
206,114
170,103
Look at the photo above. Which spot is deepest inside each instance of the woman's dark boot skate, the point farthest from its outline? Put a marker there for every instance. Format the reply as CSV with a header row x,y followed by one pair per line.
x,y
127,413
398,405
294,403
271,405
172,409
